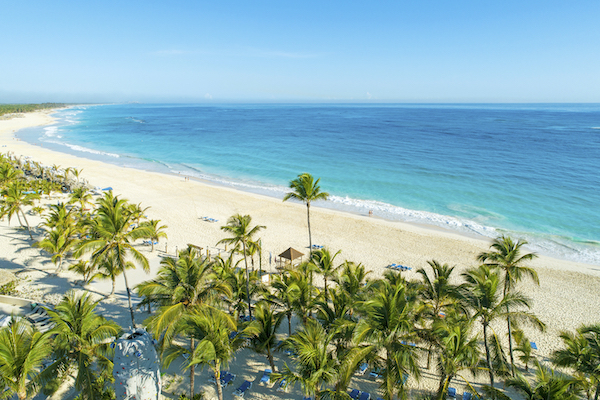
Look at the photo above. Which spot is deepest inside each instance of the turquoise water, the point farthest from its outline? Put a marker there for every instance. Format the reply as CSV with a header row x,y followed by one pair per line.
x,y
527,170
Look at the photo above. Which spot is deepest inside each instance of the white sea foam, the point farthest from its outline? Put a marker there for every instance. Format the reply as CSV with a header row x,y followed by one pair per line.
x,y
83,149
50,131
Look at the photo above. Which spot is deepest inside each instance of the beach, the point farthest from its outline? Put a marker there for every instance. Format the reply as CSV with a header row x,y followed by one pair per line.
x,y
566,298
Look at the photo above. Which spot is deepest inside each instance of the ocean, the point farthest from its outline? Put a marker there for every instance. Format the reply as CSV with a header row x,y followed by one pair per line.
x,y
526,170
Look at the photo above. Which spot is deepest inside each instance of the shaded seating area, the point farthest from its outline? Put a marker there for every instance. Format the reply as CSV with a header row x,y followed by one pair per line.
x,y
290,254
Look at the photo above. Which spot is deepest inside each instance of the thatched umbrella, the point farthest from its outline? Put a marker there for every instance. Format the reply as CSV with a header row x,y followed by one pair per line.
x,y
290,254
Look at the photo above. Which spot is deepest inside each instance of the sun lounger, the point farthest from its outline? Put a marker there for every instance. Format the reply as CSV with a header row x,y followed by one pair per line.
x,y
307,398
452,392
533,345
212,376
241,391
365,396
266,376
376,373
227,379
363,368
355,394
232,335
467,396
281,386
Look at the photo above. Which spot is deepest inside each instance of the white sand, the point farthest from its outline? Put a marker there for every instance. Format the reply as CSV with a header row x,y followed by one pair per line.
x,y
567,297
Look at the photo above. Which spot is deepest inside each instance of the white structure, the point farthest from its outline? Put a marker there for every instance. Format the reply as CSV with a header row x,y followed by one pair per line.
x,y
136,367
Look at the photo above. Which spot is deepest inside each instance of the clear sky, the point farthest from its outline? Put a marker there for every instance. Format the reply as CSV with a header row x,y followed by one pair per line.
x,y
300,51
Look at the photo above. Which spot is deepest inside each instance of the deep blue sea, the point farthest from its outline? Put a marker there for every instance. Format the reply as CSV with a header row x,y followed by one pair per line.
x,y
531,171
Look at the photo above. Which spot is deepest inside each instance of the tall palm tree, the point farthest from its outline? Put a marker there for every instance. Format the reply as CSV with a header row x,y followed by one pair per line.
x,y
307,190
155,232
82,341
437,294
459,350
353,281
181,284
82,196
112,240
315,361
388,326
506,255
213,329
238,227
324,263
582,353
284,297
267,323
22,351
481,292
14,200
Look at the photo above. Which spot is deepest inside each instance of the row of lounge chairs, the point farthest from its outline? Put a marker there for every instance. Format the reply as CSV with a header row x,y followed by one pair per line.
x,y
149,242
317,247
358,395
399,267
465,395
208,219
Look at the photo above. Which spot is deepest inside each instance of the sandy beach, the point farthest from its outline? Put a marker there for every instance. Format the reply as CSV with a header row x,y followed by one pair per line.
x,y
567,297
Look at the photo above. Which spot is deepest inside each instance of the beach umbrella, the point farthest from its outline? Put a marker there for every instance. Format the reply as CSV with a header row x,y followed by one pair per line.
x,y
290,254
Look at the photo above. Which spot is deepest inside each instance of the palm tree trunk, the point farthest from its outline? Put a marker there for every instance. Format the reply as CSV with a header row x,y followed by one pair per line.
x,y
129,299
192,370
289,317
27,224
510,345
247,281
444,383
326,296
270,358
487,355
114,284
217,373
309,235
152,243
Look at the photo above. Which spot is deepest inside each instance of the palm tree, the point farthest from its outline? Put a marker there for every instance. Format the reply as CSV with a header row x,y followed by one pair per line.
x,y
506,255
181,284
111,239
14,200
548,384
353,280
316,363
267,323
582,353
323,261
82,196
481,293
388,326
22,351
58,242
286,291
238,227
155,232
217,343
305,189
82,341
438,294
459,350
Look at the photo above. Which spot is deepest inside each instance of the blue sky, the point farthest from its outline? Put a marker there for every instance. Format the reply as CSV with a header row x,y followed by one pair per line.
x,y
305,51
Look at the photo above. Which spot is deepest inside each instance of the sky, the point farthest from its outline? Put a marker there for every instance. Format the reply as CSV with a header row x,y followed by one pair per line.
x,y
418,51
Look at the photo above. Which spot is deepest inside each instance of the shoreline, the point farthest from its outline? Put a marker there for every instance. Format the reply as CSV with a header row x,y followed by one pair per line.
x,y
50,156
558,248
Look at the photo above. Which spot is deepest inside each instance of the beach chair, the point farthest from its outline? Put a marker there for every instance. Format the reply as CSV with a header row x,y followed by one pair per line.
x,y
365,396
232,335
363,368
307,398
533,345
355,394
227,379
467,396
281,386
266,376
376,373
241,391
452,392
212,376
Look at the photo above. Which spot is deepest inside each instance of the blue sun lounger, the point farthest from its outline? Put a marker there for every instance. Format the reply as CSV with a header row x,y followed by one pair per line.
x,y
241,391
533,345
281,386
363,368
365,396
227,379
355,394
467,396
452,392
266,376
